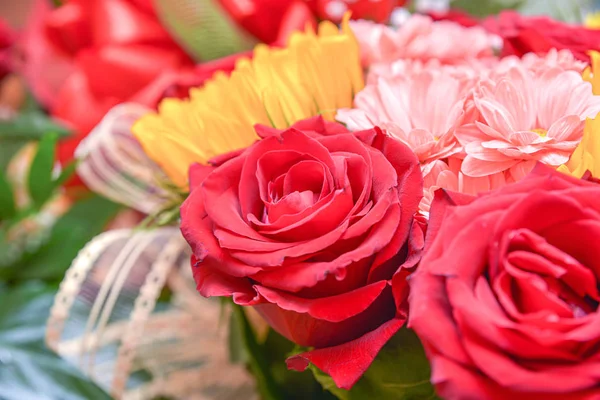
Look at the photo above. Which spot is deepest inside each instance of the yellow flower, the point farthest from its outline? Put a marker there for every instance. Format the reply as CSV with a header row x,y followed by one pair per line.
x,y
316,73
592,72
592,20
586,156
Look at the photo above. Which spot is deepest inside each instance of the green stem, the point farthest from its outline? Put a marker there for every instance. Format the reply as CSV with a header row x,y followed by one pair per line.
x,y
258,363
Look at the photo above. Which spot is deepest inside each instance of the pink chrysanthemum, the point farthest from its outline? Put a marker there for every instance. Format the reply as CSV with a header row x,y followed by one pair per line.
x,y
420,38
422,110
468,73
447,175
526,116
561,59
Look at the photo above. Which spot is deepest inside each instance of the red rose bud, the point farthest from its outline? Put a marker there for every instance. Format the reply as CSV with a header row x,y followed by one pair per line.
x,y
314,227
505,300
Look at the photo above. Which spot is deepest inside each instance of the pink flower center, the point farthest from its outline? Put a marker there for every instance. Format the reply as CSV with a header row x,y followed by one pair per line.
x,y
540,131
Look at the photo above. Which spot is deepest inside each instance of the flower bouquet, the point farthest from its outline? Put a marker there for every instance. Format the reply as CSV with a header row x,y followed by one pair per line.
x,y
385,212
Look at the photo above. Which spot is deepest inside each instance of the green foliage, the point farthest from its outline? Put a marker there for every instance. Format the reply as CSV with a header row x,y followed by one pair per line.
x,y
257,360
484,8
84,220
272,352
46,251
7,199
27,126
39,181
400,371
327,383
27,369
568,11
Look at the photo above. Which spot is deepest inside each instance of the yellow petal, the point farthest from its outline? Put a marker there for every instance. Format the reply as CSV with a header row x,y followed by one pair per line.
x,y
592,72
316,73
592,20
586,156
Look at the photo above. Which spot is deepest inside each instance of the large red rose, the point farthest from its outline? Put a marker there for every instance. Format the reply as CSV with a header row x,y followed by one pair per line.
x,y
522,35
314,227
506,297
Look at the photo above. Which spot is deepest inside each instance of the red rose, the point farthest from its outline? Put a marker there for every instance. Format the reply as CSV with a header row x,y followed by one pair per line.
x,y
506,297
522,35
313,226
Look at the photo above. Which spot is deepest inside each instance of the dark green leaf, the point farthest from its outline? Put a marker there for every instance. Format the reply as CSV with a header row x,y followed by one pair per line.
x,y
327,383
237,351
7,199
27,369
39,181
86,219
31,125
257,360
400,371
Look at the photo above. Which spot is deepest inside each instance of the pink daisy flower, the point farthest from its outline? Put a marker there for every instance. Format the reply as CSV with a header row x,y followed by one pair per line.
x,y
526,116
422,110
420,38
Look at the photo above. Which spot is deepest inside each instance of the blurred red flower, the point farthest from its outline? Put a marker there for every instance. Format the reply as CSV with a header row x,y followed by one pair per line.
x,y
7,38
86,56
522,35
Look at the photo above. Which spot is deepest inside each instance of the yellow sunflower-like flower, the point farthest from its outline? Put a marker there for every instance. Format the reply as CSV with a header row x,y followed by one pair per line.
x,y
317,73
586,156
592,72
592,20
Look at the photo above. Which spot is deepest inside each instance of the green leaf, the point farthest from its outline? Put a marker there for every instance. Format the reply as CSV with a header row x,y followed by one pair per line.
x,y
39,183
7,199
257,360
85,219
32,125
28,370
27,126
328,384
400,371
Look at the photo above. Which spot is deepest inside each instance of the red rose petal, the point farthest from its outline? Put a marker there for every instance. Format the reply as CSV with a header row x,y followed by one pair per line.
x,y
347,362
332,309
276,254
300,275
